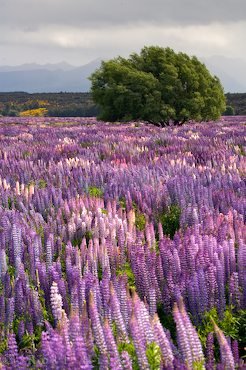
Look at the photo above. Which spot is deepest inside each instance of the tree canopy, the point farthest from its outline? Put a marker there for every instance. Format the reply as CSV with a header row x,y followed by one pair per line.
x,y
157,85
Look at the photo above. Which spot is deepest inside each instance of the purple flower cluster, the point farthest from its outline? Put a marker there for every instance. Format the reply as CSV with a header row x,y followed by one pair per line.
x,y
87,268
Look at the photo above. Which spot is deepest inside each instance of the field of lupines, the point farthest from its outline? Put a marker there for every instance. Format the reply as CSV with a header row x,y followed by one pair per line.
x,y
122,246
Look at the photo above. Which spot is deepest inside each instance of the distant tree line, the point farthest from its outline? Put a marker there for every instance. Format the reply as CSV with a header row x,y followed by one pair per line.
x,y
238,102
49,104
65,104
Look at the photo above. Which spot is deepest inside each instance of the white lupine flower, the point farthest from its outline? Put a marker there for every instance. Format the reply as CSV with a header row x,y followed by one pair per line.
x,y
56,302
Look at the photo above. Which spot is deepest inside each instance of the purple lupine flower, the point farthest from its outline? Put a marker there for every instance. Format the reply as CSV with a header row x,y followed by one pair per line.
x,y
210,352
81,354
195,344
47,352
111,345
163,342
123,299
138,343
235,351
226,355
126,360
10,311
96,326
12,350
200,169
143,319
116,313
16,237
182,336
234,290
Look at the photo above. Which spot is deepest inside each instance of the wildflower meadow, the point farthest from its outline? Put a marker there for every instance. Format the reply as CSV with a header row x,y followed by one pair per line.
x,y
122,246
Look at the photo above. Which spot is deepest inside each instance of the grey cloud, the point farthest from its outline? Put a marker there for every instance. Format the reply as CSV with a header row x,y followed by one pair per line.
x,y
78,45
99,13
31,28
79,31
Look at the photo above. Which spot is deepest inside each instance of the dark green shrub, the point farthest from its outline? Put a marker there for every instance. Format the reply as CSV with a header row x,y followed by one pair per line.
x,y
170,220
230,111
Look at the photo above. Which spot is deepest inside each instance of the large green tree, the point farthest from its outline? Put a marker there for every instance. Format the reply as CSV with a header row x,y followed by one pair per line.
x,y
159,86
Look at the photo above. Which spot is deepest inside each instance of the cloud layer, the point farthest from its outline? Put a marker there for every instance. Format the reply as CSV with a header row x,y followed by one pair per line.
x,y
97,13
80,30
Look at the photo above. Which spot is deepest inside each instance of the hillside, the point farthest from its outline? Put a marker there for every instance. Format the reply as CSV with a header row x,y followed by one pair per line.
x,y
76,103
35,78
238,102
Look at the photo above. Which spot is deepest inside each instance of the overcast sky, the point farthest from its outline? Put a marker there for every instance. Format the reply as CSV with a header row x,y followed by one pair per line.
x,y
78,31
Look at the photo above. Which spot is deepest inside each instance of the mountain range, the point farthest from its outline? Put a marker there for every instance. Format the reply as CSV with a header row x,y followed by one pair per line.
x,y
33,77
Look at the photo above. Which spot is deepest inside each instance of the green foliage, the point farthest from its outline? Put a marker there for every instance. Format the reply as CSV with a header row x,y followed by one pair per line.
x,y
76,241
242,329
42,184
229,111
153,354
199,365
100,272
3,345
122,202
161,142
233,325
30,341
95,192
88,235
58,104
73,110
16,322
86,144
242,150
170,220
159,86
11,271
12,202
230,324
27,342
47,315
129,347
10,109
114,329
127,270
238,102
40,232
167,321
95,358
63,259
9,203
130,93
26,154
140,220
